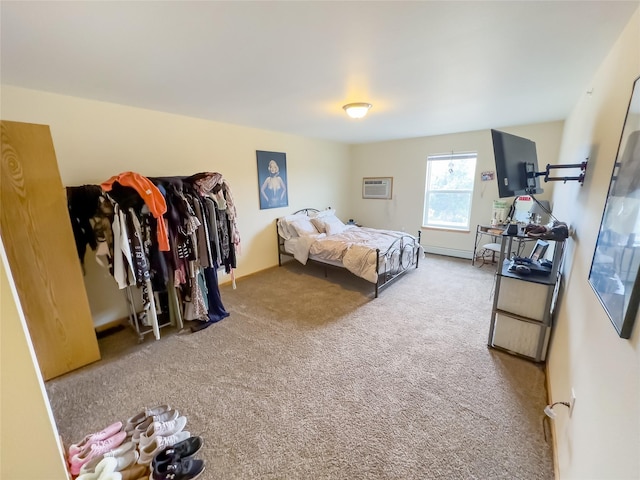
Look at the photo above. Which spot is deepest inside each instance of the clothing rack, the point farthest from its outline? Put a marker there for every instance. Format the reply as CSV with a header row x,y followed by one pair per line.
x,y
165,235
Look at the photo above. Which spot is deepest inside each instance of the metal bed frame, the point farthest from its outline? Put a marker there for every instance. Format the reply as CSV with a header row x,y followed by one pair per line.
x,y
401,256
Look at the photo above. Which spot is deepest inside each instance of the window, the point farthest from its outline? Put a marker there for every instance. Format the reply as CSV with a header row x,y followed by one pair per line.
x,y
448,189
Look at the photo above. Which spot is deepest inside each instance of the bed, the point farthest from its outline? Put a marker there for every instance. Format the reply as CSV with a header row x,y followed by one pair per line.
x,y
378,256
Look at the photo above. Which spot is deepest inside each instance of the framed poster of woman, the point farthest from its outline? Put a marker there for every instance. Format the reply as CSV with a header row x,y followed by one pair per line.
x,y
272,179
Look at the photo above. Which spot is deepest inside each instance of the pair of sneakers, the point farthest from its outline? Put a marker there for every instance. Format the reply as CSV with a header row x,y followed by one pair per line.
x,y
139,433
96,448
125,455
176,462
104,434
132,422
162,429
108,469
161,435
104,470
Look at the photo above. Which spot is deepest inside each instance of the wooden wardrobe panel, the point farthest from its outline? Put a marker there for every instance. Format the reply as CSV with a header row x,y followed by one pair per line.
x,y
36,231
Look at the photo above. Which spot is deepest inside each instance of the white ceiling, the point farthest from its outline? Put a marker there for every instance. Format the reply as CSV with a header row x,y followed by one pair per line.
x,y
427,67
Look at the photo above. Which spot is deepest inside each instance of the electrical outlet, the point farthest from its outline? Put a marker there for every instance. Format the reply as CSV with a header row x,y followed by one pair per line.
x,y
572,402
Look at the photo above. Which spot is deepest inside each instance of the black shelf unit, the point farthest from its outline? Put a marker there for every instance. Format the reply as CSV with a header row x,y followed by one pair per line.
x,y
523,305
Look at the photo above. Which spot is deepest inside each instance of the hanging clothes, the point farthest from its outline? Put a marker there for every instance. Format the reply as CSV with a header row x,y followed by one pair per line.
x,y
83,203
122,261
151,196
165,235
202,232
207,182
216,309
142,274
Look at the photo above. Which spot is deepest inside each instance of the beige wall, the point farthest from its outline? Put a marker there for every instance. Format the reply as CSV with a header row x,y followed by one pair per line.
x,y
602,437
29,439
406,162
96,140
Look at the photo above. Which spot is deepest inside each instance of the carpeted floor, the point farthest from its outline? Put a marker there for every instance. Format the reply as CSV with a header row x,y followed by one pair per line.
x,y
310,378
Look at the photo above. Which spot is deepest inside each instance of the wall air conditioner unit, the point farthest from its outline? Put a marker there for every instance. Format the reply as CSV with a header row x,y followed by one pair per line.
x,y
377,187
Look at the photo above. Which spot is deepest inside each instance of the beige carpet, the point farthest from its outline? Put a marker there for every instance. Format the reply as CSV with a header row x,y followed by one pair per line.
x,y
310,378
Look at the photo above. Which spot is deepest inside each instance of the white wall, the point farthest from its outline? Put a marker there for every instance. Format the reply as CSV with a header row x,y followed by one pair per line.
x,y
406,162
96,140
602,438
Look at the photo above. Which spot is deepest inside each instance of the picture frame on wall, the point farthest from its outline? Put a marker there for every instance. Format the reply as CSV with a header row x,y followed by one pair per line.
x,y
272,179
615,267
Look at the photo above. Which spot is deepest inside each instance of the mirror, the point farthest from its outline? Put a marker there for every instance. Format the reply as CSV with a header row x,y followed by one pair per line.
x,y
616,259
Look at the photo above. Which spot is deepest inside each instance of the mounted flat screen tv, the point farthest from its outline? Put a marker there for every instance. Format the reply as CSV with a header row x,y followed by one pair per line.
x,y
516,165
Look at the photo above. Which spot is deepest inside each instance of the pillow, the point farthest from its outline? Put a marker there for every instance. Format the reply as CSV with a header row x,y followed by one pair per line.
x,y
294,216
303,227
323,213
283,231
329,225
318,218
334,225
284,225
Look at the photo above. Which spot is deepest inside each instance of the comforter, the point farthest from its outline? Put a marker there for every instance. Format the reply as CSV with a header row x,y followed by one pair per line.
x,y
355,248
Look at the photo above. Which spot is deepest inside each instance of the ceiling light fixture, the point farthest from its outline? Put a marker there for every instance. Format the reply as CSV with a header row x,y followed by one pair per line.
x,y
357,110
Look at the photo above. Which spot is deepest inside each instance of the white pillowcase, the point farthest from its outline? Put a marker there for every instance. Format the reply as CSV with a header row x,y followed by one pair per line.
x,y
318,218
319,224
329,224
323,213
303,227
285,230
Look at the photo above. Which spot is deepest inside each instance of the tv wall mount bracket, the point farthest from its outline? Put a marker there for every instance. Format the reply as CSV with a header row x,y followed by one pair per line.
x,y
532,174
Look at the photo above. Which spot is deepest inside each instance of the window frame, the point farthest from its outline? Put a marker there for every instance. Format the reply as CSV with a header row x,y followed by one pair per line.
x,y
448,157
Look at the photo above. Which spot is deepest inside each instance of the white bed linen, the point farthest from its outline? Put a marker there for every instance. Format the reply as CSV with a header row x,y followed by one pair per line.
x,y
299,246
354,249
301,253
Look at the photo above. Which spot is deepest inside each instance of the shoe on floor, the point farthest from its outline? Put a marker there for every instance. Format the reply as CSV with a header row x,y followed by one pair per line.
x,y
123,460
184,469
185,449
107,432
105,470
122,453
91,465
143,426
142,416
162,429
135,472
94,450
158,444
126,460
201,326
122,450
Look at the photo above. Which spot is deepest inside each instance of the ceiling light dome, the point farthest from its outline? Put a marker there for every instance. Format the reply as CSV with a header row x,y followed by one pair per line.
x,y
357,110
